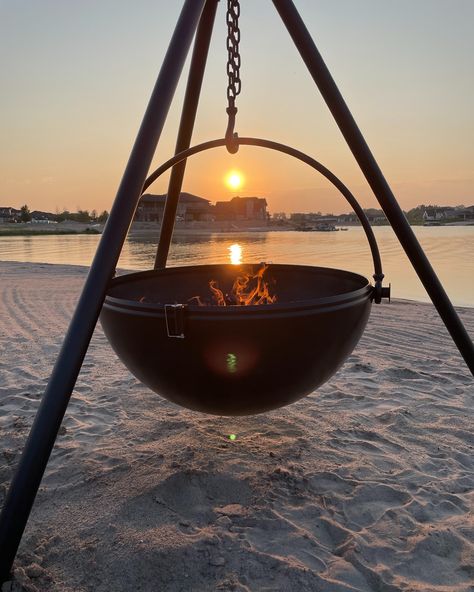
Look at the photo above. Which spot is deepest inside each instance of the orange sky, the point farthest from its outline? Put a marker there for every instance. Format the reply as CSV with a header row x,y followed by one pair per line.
x,y
77,77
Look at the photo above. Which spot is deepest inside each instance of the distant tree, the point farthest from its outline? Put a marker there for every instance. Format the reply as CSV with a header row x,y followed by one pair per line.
x,y
64,215
102,219
373,212
82,216
25,214
415,215
94,215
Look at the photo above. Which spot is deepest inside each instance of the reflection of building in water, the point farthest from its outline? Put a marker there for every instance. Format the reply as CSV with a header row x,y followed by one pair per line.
x,y
193,208
190,207
242,208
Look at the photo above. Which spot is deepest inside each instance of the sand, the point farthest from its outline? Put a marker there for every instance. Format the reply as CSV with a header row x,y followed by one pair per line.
x,y
366,485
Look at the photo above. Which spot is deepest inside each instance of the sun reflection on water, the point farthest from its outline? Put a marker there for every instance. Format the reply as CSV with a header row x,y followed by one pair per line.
x,y
235,255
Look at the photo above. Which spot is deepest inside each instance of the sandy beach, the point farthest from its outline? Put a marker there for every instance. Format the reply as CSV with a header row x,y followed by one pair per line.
x,y
365,485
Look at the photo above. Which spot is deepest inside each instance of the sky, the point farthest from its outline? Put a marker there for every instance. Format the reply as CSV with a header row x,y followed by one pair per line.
x,y
76,78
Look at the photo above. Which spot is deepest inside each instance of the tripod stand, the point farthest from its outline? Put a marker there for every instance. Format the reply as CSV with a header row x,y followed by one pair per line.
x,y
197,16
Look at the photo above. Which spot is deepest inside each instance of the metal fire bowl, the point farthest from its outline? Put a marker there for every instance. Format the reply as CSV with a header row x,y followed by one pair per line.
x,y
235,360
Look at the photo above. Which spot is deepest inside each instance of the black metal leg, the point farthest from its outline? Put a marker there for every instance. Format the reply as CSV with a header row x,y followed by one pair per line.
x,y
48,419
334,100
188,116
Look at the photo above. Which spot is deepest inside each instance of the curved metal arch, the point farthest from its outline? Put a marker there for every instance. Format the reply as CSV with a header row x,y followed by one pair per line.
x,y
262,143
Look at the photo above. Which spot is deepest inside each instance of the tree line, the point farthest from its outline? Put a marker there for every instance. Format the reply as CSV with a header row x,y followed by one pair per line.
x,y
83,216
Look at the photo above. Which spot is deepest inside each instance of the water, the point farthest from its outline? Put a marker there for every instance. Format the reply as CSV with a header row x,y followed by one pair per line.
x,y
450,250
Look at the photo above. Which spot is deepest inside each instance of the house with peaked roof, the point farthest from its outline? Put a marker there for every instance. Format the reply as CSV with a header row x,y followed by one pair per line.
x,y
443,214
8,214
190,208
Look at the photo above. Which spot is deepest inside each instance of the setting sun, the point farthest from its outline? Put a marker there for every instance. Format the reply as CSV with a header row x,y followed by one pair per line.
x,y
234,180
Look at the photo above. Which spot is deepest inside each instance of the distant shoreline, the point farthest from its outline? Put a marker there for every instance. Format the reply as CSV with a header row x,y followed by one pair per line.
x,y
150,228
25,232
147,229
40,229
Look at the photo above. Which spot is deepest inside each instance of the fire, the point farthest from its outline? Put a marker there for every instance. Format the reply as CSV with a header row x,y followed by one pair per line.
x,y
247,290
246,295
217,294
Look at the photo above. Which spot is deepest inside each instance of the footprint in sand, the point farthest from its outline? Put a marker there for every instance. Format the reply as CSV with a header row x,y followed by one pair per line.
x,y
195,496
403,374
370,502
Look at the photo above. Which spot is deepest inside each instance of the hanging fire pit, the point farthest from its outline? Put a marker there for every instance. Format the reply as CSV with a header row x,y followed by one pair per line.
x,y
187,334
240,340
228,354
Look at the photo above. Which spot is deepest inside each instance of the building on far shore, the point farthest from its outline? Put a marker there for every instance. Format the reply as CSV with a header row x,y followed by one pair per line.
x,y
38,216
190,208
242,208
8,214
442,214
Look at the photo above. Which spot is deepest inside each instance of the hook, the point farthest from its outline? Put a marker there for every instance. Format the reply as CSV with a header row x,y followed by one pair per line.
x,y
231,138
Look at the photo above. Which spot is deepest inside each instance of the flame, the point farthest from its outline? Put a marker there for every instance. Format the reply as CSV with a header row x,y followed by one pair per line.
x,y
245,295
247,290
217,294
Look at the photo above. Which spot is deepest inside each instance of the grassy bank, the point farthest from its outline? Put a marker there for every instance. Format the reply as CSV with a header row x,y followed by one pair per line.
x,y
44,232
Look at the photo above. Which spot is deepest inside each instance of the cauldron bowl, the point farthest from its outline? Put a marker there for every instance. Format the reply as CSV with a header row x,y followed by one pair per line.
x,y
235,360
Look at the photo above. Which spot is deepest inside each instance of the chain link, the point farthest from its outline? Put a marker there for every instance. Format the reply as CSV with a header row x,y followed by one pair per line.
x,y
233,71
233,56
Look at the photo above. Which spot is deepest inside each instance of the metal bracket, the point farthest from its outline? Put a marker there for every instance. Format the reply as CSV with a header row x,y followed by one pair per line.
x,y
174,317
381,292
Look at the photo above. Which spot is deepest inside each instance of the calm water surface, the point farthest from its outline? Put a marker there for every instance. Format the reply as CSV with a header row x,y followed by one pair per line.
x,y
449,249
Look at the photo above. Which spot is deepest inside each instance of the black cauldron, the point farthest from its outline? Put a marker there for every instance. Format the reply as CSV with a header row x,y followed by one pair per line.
x,y
235,360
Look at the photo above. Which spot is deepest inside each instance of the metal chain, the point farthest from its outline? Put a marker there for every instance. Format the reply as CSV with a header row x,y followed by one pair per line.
x,y
233,56
233,70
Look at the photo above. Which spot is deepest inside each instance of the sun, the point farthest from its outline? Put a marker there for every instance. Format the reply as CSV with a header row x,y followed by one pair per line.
x,y
234,180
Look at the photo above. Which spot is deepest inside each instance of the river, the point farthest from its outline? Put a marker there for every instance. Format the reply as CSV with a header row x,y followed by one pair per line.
x,y
450,250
